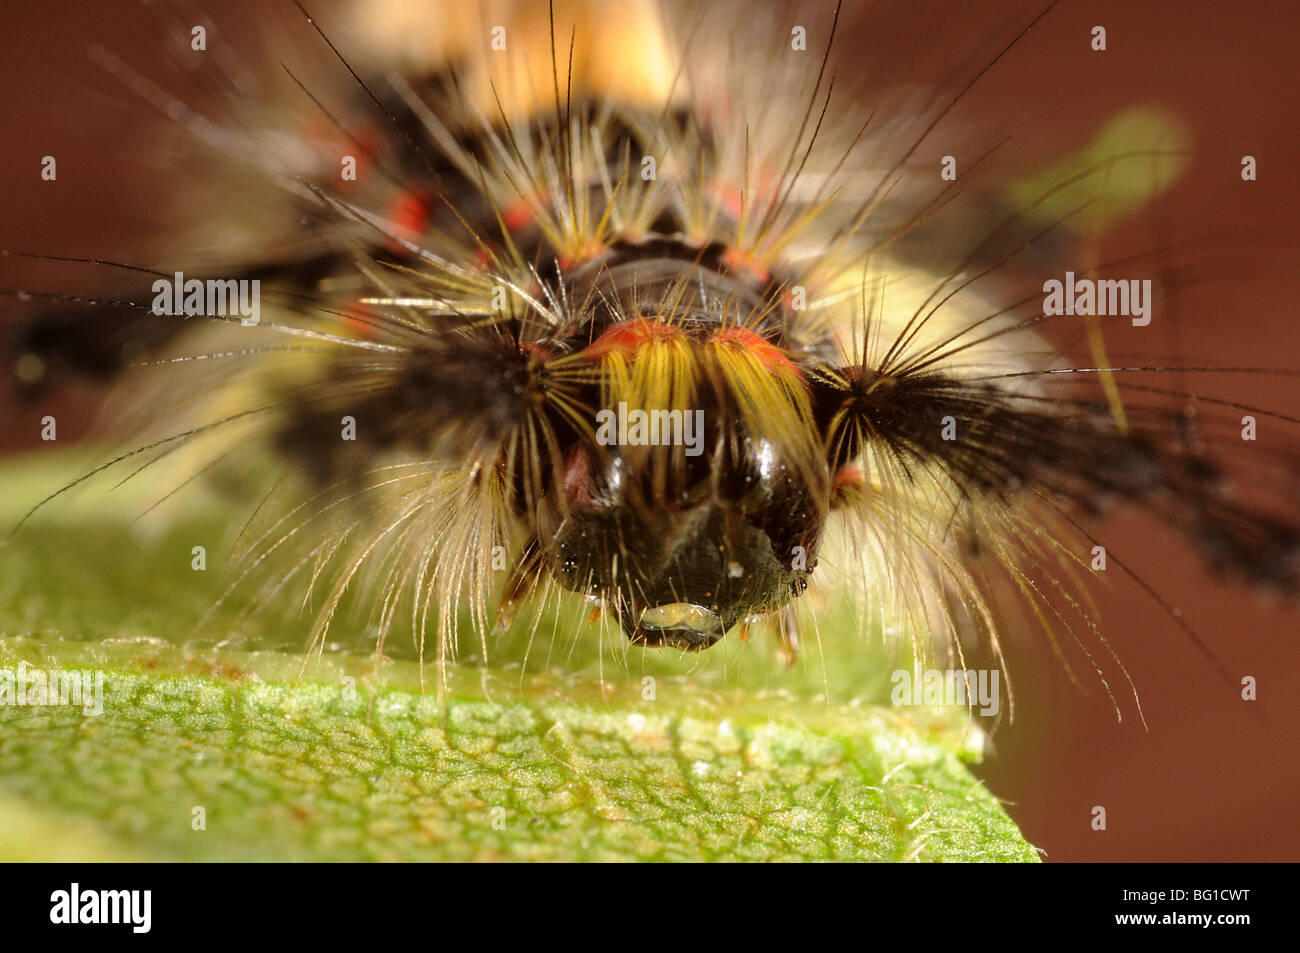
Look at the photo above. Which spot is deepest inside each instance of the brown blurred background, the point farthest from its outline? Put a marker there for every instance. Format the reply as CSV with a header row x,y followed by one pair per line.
x,y
1214,778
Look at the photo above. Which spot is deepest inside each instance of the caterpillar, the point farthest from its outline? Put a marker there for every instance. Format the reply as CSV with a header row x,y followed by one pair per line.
x,y
654,307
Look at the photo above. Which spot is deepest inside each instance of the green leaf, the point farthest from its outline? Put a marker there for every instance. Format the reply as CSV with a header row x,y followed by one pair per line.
x,y
577,755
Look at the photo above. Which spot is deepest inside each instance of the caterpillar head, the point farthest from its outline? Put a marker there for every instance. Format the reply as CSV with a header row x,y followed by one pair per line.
x,y
701,498
735,535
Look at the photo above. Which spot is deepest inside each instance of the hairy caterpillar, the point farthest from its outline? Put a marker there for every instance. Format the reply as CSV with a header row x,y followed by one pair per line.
x,y
885,406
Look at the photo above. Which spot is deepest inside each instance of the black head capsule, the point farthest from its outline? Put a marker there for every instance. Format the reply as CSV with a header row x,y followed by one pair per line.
x,y
736,535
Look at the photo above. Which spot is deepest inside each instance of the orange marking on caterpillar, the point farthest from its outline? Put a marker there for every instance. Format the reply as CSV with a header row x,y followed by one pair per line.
x,y
847,477
586,253
517,216
359,320
747,262
537,352
771,356
730,200
847,483
631,336
408,217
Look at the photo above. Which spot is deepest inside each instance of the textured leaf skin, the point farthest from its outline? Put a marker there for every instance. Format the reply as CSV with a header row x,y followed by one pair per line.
x,y
347,759
288,769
